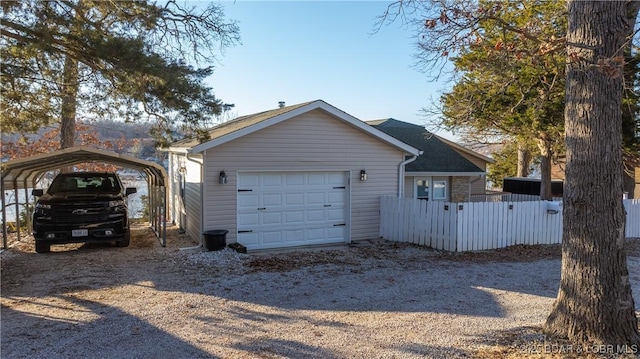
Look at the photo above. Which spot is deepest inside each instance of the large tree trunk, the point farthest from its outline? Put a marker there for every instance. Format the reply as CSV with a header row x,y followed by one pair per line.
x,y
594,303
524,160
69,103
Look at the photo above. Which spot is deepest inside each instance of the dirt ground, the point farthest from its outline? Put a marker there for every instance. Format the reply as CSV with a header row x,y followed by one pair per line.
x,y
361,301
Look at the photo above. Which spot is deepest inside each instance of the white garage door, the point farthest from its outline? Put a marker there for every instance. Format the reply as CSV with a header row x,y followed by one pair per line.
x,y
288,209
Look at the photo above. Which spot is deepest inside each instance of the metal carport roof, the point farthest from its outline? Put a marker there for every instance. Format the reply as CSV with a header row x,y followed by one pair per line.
x,y
24,173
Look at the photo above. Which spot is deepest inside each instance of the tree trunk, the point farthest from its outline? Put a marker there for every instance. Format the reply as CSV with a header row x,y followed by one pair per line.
x,y
545,169
69,103
524,160
594,303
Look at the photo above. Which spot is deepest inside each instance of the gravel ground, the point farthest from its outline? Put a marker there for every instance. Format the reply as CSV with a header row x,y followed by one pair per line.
x,y
375,299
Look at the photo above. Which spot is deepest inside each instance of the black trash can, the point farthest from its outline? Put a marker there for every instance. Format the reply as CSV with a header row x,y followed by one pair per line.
x,y
216,239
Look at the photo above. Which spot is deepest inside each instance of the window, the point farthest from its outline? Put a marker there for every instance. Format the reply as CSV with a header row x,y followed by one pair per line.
x,y
439,190
422,189
429,188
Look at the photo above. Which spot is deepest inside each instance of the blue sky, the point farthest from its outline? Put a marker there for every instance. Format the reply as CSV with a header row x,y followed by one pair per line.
x,y
298,51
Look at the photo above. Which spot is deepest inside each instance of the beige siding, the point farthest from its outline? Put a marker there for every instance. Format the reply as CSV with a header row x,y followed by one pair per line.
x,y
314,141
478,185
192,199
409,187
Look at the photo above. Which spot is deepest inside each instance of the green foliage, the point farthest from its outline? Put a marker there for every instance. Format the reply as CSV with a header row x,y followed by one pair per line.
x,y
506,165
136,62
509,84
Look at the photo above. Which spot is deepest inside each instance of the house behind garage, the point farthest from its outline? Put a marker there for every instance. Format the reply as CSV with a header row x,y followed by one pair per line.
x,y
305,174
445,171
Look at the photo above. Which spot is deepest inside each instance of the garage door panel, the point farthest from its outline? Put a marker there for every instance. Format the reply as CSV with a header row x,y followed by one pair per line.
x,y
317,179
292,209
272,218
335,197
248,180
294,236
272,199
294,217
316,234
294,179
248,220
272,181
292,199
249,239
317,198
248,201
315,215
271,237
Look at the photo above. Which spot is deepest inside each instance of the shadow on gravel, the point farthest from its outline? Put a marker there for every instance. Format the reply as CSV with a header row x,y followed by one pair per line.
x,y
270,347
110,333
401,279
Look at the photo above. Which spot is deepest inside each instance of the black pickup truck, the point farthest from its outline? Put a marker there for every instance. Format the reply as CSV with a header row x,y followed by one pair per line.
x,y
81,207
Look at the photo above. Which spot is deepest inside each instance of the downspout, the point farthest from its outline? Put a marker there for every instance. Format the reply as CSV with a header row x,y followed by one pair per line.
x,y
401,173
201,164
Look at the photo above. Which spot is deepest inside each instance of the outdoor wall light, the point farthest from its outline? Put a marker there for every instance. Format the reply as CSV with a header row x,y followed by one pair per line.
x,y
223,178
363,175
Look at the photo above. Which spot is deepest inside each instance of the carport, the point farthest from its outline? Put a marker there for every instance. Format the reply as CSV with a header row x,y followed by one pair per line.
x,y
25,173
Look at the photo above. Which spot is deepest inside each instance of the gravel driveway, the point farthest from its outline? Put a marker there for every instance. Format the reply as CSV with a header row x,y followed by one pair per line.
x,y
372,300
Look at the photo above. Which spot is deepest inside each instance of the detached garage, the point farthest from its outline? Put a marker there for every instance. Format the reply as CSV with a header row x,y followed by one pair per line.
x,y
306,174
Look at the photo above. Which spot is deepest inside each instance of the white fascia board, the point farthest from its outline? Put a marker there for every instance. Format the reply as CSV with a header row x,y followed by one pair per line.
x,y
466,150
175,149
444,174
296,112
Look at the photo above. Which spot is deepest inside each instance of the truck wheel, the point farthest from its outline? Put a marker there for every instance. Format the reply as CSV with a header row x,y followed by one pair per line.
x,y
125,240
42,247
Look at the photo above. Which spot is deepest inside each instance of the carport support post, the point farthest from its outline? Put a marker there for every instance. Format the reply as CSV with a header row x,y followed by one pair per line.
x,y
16,193
4,216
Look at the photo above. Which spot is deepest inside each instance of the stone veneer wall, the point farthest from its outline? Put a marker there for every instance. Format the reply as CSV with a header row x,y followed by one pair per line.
x,y
460,189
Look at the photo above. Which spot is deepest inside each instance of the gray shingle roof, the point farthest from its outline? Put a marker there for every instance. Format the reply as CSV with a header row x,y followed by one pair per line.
x,y
437,156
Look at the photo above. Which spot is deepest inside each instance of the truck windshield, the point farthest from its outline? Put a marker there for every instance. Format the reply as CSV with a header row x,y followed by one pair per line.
x,y
83,183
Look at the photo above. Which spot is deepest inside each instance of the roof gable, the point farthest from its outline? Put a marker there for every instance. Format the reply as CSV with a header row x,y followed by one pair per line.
x,y
245,125
438,155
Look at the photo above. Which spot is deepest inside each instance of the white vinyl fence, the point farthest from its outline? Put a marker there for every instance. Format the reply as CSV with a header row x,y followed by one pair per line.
x,y
471,226
506,197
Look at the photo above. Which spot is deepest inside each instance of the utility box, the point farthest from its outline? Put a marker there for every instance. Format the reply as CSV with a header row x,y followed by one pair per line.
x,y
554,207
215,240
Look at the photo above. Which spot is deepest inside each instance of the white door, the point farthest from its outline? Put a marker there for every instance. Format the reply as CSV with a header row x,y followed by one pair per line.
x,y
285,209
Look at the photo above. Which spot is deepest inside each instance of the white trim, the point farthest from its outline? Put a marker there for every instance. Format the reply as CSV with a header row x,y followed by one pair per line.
x,y
181,150
319,104
465,150
444,174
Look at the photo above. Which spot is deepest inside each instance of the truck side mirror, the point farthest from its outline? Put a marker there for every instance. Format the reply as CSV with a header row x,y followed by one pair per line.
x,y
37,192
130,190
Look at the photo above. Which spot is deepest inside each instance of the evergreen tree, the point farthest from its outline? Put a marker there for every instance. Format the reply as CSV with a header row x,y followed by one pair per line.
x,y
131,60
